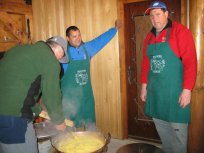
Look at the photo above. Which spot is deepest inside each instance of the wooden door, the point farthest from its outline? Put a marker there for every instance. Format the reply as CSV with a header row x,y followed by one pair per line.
x,y
15,24
136,27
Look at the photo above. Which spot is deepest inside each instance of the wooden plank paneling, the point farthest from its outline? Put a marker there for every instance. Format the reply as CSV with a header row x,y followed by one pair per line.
x,y
93,17
48,18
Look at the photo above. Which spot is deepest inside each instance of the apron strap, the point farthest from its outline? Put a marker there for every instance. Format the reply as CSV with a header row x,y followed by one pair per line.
x,y
86,52
68,52
149,40
167,36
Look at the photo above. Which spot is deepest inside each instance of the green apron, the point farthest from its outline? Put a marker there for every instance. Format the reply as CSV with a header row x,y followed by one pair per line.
x,y
165,80
78,100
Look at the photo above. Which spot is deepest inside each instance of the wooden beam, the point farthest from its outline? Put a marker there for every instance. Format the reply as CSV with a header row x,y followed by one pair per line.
x,y
15,7
196,132
4,46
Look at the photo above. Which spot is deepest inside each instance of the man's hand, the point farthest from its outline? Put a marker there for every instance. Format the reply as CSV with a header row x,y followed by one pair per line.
x,y
143,93
61,126
118,24
44,115
185,98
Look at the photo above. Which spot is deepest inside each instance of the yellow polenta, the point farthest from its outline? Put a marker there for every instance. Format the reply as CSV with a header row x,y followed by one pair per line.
x,y
80,144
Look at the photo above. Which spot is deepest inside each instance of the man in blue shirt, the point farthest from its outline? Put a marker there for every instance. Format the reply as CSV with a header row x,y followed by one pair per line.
x,y
78,100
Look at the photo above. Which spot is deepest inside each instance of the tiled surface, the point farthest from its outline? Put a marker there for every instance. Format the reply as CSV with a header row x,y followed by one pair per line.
x,y
115,144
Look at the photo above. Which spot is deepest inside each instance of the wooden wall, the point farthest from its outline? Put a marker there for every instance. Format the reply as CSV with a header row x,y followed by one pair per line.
x,y
93,17
196,132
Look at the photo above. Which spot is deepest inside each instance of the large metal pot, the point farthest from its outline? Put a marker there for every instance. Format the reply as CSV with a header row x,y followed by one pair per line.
x,y
105,138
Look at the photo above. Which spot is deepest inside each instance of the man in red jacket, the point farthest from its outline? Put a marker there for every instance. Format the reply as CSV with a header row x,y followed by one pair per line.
x,y
168,76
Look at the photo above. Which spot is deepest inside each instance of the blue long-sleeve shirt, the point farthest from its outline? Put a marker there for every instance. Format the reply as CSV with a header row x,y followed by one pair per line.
x,y
92,47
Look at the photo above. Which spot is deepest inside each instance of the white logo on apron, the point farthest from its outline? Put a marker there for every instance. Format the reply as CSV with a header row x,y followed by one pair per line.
x,y
157,64
81,77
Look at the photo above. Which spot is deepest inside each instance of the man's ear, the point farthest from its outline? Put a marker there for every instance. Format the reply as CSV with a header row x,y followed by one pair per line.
x,y
67,38
166,14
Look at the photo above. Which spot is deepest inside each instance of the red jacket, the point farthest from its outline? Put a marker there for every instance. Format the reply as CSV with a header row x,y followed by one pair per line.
x,y
182,43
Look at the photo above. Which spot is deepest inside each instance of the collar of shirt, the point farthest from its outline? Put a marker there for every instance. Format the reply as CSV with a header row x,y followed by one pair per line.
x,y
76,47
77,53
169,25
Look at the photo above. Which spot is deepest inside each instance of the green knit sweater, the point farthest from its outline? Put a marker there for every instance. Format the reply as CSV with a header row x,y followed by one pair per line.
x,y
19,68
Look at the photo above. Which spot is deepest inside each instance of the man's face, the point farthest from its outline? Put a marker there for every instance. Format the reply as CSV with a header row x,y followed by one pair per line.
x,y
159,18
74,38
58,51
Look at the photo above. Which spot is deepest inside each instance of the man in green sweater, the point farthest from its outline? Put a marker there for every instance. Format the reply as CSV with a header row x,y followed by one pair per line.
x,y
26,71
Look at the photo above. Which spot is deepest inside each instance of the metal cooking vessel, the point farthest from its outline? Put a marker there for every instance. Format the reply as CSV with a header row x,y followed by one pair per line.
x,y
45,130
55,140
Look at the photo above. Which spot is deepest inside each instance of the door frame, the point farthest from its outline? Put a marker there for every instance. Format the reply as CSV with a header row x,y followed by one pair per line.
x,y
122,47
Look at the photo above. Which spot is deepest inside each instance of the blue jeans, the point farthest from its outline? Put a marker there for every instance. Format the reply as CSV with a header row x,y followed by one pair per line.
x,y
173,136
30,145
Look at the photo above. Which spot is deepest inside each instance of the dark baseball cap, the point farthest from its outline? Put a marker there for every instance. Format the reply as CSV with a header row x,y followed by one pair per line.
x,y
156,4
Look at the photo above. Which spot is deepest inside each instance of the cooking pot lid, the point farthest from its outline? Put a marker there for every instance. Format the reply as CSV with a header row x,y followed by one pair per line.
x,y
45,130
